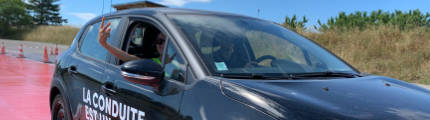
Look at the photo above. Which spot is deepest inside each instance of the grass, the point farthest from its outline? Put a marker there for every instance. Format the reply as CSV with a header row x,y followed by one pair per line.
x,y
383,50
51,34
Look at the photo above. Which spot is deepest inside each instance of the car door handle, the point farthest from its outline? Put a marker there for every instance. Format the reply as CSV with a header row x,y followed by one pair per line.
x,y
72,69
108,89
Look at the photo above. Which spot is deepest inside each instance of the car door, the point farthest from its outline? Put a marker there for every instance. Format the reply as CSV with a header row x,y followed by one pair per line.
x,y
137,101
85,74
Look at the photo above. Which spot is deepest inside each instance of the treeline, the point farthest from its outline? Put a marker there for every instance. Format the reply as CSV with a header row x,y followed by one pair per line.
x,y
17,16
362,20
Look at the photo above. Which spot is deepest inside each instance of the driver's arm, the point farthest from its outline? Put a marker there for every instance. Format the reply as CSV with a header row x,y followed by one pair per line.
x,y
104,33
123,56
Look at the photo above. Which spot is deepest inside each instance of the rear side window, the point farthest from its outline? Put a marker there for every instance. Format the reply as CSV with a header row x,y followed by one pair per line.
x,y
90,45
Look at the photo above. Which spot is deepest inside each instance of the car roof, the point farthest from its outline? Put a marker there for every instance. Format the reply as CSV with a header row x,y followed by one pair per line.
x,y
154,11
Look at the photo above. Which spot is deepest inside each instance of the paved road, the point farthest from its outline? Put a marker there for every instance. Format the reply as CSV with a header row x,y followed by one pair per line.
x,y
24,89
32,50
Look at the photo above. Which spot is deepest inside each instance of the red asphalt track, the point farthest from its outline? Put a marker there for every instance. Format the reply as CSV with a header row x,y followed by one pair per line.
x,y
24,89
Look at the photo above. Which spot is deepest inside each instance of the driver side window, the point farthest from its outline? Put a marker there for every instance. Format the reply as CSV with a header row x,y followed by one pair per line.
x,y
140,40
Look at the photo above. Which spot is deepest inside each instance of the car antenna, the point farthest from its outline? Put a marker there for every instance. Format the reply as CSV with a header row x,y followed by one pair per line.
x,y
110,8
103,7
258,12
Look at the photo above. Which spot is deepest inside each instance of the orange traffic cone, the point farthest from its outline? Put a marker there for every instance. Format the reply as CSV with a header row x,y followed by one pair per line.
x,y
3,49
45,55
56,50
21,51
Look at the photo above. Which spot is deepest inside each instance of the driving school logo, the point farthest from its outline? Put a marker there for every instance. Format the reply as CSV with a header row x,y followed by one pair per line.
x,y
99,107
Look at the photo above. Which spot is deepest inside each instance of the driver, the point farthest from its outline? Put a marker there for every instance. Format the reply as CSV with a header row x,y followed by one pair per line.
x,y
229,46
104,33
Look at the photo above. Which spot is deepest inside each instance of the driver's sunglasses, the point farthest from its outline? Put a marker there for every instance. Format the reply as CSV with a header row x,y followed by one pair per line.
x,y
159,41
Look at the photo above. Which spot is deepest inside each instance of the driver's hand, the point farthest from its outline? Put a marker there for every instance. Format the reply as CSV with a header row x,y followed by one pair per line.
x,y
104,32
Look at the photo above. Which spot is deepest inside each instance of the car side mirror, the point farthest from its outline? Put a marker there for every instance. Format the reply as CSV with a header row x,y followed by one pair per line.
x,y
145,72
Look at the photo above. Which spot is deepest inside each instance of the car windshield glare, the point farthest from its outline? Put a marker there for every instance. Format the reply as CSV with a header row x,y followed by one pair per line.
x,y
232,44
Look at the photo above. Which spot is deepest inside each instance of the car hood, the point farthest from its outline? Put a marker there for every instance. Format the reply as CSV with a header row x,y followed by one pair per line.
x,y
370,97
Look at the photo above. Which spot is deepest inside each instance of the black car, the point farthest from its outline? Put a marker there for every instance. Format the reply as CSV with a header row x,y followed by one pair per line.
x,y
218,66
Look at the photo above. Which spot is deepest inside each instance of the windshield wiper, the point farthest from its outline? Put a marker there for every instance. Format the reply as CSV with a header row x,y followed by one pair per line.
x,y
289,76
242,75
257,76
324,74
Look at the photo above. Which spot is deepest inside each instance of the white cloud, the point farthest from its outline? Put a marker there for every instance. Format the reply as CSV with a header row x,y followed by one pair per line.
x,y
84,16
180,2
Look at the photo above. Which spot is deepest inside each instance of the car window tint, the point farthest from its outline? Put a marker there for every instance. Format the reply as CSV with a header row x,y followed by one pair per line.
x,y
174,67
139,40
90,45
135,45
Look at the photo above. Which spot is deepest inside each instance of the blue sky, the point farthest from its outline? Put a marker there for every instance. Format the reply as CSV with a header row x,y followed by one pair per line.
x,y
78,12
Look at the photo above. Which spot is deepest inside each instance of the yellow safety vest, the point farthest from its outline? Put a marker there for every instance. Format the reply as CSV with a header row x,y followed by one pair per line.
x,y
157,60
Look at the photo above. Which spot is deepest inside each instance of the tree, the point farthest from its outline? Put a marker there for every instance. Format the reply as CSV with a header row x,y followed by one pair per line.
x,y
45,12
361,20
294,24
13,16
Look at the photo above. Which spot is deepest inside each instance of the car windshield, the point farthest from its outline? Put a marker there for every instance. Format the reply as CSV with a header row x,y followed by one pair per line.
x,y
241,45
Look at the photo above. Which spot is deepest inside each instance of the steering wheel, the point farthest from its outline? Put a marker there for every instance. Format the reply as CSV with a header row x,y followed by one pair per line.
x,y
260,59
264,57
